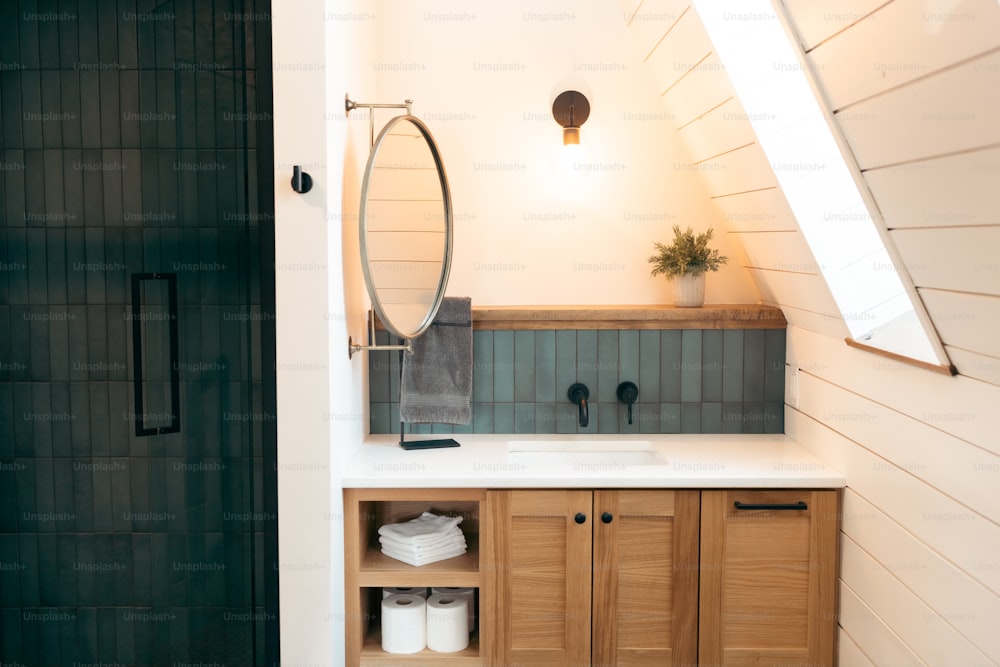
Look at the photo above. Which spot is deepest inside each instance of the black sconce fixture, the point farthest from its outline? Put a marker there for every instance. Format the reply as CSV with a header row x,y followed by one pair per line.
x,y
571,110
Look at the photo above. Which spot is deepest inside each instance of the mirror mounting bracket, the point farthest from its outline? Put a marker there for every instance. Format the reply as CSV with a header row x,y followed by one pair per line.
x,y
353,347
350,105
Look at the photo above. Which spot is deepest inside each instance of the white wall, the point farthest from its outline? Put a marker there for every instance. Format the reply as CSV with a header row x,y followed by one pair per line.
x,y
919,108
916,89
921,576
532,226
322,411
710,121
920,581
920,572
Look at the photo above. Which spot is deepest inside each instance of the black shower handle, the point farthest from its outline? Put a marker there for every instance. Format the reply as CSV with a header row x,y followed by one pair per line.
x,y
137,355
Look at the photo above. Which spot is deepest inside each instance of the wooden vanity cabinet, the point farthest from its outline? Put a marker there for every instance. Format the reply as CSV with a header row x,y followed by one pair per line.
x,y
768,577
592,577
636,577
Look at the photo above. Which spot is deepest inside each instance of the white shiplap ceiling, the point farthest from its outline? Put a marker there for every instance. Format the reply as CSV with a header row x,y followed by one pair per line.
x,y
915,89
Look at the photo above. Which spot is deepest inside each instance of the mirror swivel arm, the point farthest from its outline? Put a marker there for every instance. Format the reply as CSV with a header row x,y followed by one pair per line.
x,y
353,347
350,105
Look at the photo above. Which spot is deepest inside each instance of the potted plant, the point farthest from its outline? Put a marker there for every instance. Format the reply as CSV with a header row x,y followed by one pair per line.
x,y
685,261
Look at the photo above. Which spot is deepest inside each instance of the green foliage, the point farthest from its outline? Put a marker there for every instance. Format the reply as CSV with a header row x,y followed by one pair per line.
x,y
689,253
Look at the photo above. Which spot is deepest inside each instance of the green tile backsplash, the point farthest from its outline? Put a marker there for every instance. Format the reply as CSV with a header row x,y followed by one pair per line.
x,y
690,381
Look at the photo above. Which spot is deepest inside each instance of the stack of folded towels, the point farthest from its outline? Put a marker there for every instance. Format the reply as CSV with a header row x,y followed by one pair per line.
x,y
426,539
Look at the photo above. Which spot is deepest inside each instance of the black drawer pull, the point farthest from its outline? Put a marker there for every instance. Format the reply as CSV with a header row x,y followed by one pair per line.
x,y
607,517
580,517
801,505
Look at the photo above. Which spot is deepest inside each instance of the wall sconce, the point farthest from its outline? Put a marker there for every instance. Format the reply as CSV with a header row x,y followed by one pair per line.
x,y
571,110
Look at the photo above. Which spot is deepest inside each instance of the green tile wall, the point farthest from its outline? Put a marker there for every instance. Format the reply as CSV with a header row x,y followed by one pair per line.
x,y
690,381
125,148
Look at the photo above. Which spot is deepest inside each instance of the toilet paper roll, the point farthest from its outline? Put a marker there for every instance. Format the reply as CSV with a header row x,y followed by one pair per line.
x,y
470,593
447,622
404,624
403,590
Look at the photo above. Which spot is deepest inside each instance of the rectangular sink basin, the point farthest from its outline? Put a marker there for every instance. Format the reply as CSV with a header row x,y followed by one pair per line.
x,y
584,452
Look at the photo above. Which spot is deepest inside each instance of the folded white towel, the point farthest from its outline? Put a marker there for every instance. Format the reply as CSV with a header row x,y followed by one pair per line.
x,y
416,550
424,559
450,534
425,529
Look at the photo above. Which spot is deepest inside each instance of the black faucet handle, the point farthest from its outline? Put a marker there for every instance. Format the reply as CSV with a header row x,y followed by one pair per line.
x,y
627,393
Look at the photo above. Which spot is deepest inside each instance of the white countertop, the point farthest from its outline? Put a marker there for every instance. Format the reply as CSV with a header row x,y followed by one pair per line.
x,y
681,461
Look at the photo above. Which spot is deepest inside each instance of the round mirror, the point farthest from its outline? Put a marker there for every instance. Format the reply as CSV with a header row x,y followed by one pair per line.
x,y
406,223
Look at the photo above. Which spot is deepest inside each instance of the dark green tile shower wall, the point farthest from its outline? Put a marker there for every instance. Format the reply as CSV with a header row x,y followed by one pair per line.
x,y
128,144
690,381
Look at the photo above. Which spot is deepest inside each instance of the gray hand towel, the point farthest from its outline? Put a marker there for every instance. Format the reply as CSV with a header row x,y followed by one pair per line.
x,y
436,386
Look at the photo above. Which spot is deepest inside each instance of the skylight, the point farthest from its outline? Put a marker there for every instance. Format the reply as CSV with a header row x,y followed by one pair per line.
x,y
819,178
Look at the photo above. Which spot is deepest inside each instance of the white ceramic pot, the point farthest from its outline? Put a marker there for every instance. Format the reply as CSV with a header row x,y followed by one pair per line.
x,y
689,289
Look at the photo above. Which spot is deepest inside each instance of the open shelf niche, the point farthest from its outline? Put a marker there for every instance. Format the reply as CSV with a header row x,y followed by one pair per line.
x,y
368,570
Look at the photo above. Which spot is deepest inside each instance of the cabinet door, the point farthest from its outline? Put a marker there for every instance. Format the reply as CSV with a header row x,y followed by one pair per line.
x,y
768,578
538,577
645,578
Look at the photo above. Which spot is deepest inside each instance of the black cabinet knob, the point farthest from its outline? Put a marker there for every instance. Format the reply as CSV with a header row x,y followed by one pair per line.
x,y
607,517
580,517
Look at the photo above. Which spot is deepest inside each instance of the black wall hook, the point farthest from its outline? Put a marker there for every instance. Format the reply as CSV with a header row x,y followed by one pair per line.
x,y
301,181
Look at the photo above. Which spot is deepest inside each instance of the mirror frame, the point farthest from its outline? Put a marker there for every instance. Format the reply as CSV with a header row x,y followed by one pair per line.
x,y
377,304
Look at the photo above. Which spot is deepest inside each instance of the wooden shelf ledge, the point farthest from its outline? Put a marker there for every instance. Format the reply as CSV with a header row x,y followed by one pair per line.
x,y
709,316
372,655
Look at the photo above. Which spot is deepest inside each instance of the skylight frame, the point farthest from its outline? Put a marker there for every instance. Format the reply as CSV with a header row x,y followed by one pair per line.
x,y
903,330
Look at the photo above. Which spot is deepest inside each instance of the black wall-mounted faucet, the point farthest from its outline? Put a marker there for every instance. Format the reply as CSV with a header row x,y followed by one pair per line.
x,y
628,392
578,393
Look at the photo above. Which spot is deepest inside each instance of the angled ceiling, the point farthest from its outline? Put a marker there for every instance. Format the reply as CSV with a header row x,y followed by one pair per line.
x,y
915,90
